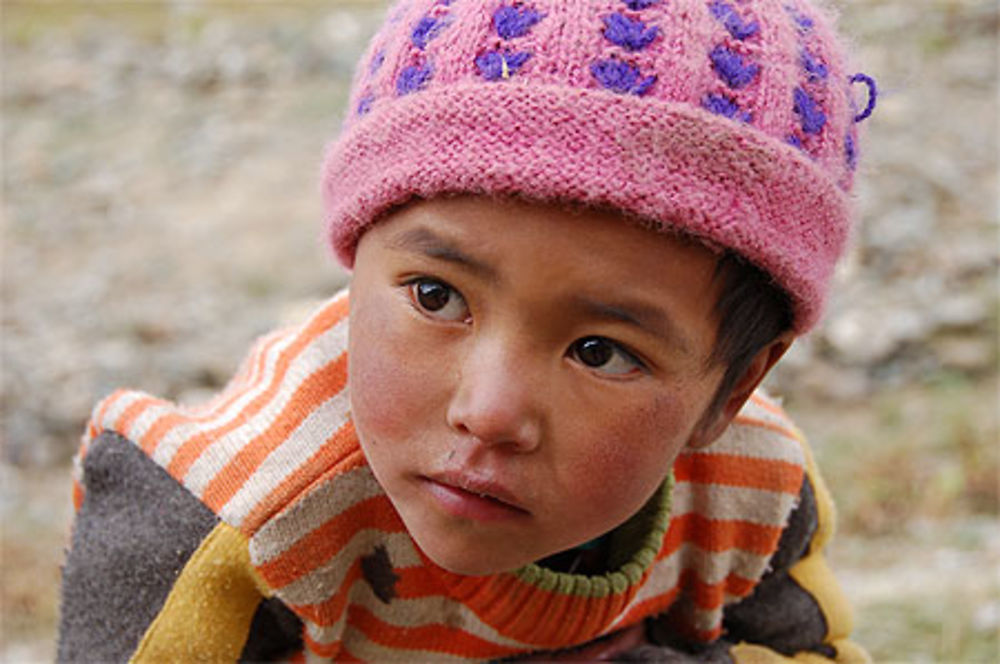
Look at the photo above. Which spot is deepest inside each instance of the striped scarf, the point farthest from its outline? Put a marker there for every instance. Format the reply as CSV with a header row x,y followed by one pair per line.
x,y
275,455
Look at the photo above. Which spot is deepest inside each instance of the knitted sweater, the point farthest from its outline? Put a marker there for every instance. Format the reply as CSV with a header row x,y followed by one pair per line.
x,y
251,527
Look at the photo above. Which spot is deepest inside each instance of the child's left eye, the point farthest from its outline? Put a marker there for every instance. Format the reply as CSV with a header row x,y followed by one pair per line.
x,y
605,356
436,299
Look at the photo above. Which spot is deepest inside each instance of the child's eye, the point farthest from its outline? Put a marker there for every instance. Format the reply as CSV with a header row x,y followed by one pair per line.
x,y
438,300
605,355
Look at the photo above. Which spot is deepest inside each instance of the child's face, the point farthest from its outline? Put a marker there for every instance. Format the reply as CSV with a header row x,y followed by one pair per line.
x,y
522,377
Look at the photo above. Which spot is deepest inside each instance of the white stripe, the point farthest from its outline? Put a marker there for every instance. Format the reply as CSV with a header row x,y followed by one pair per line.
x,y
313,658
754,442
324,350
322,583
141,425
319,506
307,439
116,409
78,469
369,651
722,502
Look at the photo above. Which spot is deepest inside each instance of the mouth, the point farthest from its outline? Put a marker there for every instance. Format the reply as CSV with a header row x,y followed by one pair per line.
x,y
472,498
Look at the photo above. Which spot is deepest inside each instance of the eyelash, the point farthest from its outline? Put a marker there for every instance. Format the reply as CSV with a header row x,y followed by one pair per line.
x,y
414,285
616,349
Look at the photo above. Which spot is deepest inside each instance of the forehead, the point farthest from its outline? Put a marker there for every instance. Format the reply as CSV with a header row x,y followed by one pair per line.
x,y
551,236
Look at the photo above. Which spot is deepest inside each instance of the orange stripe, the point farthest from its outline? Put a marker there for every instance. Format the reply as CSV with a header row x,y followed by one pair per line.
x,y
718,535
338,454
133,411
98,419
768,405
711,596
433,638
746,420
327,650
154,435
77,496
321,544
734,470
330,611
650,607
193,448
517,617
316,389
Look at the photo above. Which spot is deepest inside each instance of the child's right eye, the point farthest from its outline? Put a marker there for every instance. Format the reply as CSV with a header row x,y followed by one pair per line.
x,y
438,300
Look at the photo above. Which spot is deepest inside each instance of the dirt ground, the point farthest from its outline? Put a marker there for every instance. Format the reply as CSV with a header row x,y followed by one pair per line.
x,y
160,210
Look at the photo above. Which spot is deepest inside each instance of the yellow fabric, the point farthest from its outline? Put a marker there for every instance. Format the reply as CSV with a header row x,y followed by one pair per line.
x,y
207,615
814,575
748,653
812,571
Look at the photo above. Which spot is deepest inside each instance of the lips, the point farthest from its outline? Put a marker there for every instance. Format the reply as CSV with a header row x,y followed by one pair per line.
x,y
469,497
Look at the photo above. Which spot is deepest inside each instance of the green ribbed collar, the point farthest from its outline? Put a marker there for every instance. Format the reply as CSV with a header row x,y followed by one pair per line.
x,y
635,544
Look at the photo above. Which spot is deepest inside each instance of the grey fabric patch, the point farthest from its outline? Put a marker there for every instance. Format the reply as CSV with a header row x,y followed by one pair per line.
x,y
135,530
376,567
780,614
799,531
275,633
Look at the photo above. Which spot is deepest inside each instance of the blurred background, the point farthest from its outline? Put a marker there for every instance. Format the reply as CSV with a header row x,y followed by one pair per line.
x,y
160,209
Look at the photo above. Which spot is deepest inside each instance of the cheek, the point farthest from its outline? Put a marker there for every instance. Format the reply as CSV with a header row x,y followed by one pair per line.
x,y
390,389
634,451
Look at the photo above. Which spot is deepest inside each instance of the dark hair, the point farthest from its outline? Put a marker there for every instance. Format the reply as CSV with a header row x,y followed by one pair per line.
x,y
752,312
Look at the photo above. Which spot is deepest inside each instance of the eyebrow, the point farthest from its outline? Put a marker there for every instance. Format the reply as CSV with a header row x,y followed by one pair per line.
x,y
425,241
649,319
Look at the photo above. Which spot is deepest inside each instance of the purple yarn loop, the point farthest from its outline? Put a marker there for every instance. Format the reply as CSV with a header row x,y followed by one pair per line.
x,y
872,95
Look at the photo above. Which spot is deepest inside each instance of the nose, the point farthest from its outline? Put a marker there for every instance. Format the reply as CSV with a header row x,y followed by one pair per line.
x,y
498,397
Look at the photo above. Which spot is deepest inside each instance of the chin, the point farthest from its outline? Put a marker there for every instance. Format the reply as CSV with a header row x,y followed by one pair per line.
x,y
468,562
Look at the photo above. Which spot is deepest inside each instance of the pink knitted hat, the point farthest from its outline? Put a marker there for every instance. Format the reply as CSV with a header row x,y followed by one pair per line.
x,y
729,120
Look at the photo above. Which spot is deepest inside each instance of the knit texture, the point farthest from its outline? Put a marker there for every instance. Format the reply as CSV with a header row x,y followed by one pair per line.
x,y
275,456
730,120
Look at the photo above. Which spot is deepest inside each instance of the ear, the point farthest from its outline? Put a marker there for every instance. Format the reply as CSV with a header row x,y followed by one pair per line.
x,y
712,426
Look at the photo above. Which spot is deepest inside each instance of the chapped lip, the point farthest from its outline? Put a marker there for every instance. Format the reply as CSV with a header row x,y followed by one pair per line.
x,y
481,487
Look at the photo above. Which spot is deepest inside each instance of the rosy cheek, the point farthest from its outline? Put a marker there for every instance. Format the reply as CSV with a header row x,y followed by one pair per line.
x,y
635,450
389,388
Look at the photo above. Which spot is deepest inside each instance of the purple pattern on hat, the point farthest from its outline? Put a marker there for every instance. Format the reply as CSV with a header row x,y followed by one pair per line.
x,y
637,5
630,34
850,152
724,106
365,104
734,23
732,68
427,28
813,65
510,22
621,77
872,95
803,22
496,65
377,61
412,78
812,116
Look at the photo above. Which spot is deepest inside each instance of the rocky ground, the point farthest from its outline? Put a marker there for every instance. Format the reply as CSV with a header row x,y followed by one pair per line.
x,y
160,210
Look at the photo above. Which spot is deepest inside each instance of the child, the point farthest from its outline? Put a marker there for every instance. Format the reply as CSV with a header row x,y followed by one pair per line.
x,y
581,234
